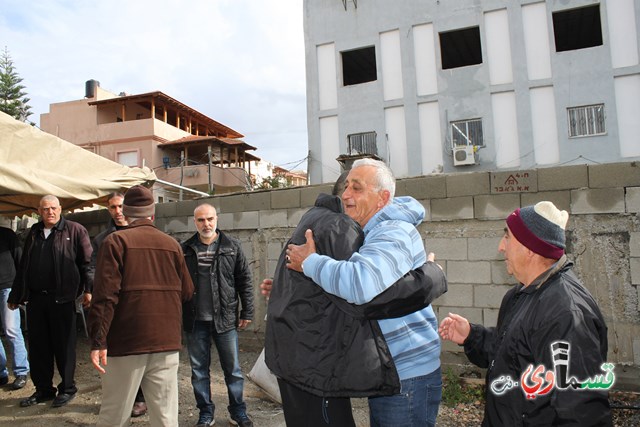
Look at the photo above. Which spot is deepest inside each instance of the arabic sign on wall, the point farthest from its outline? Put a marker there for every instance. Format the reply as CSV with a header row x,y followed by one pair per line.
x,y
525,181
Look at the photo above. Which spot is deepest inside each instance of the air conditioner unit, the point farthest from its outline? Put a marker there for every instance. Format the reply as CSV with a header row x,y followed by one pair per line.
x,y
464,155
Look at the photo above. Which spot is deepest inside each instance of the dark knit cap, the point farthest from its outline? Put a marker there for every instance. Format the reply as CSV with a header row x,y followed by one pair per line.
x,y
138,202
540,228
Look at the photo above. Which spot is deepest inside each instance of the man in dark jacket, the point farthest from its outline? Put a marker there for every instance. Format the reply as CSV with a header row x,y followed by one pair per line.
x,y
222,278
116,222
53,272
322,349
551,338
10,252
141,283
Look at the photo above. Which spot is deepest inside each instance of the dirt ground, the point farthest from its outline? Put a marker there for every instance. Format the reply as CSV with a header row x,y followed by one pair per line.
x,y
83,410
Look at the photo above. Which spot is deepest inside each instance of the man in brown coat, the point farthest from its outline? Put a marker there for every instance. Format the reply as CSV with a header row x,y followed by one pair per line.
x,y
140,284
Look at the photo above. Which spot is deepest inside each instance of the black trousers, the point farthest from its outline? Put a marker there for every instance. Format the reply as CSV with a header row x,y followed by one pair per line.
x,y
302,408
139,395
52,337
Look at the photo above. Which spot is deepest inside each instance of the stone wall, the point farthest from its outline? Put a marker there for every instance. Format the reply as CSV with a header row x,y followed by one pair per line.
x,y
464,224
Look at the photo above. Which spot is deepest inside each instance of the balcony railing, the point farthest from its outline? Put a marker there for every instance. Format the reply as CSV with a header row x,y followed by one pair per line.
x,y
223,180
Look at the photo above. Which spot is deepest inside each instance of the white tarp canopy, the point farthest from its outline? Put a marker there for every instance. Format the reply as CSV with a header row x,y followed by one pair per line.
x,y
34,163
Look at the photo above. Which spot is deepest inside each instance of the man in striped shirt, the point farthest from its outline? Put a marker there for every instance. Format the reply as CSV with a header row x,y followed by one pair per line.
x,y
391,248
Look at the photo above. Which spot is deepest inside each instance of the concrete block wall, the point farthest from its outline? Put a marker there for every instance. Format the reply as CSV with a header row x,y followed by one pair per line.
x,y
463,226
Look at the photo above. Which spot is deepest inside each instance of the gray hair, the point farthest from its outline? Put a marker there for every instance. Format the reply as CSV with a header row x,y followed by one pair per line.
x,y
50,198
384,179
204,205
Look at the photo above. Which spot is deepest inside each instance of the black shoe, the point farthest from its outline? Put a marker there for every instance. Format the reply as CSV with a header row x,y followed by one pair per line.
x,y
62,399
37,397
4,381
241,421
19,382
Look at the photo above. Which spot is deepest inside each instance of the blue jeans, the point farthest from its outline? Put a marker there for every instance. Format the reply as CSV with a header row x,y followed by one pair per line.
x,y
416,405
199,346
11,326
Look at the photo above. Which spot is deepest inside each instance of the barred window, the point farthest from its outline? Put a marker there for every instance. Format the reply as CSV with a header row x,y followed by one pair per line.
x,y
362,143
467,132
586,120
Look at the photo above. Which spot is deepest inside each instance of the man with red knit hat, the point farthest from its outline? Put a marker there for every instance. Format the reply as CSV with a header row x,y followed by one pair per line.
x,y
550,344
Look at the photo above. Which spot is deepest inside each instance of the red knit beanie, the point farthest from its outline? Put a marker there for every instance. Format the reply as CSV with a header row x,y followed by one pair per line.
x,y
540,228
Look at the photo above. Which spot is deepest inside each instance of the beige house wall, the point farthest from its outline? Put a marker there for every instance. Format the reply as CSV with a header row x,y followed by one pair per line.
x,y
465,221
72,121
80,123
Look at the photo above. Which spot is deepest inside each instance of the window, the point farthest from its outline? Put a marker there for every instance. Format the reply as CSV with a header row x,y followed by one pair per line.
x,y
467,132
587,120
127,158
460,48
577,28
362,143
359,66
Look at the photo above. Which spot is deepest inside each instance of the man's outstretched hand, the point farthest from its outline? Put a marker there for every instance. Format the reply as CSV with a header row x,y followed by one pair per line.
x,y
454,328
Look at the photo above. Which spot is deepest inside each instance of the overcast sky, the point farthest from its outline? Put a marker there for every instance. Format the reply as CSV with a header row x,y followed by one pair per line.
x,y
240,62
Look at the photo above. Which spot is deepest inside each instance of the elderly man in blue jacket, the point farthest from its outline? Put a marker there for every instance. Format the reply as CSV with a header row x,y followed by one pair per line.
x,y
392,247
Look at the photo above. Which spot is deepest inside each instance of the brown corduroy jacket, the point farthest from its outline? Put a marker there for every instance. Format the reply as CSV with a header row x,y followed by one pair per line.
x,y
140,284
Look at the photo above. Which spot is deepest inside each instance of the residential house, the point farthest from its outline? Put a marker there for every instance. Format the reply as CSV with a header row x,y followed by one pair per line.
x,y
183,146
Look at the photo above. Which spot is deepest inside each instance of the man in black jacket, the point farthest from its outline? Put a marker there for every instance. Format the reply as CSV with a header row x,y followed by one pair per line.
x,y
222,280
116,222
10,252
54,271
551,338
322,349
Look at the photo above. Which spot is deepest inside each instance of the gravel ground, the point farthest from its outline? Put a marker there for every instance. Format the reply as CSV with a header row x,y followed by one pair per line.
x,y
83,410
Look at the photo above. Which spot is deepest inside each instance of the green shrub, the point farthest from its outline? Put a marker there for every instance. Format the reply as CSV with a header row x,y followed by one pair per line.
x,y
455,391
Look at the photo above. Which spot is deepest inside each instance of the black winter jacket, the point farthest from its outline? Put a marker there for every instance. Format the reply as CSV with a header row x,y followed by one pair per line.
x,y
71,258
319,342
10,253
97,242
555,307
230,281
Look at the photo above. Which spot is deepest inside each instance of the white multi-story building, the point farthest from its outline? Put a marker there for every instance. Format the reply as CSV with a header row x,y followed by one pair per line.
x,y
467,85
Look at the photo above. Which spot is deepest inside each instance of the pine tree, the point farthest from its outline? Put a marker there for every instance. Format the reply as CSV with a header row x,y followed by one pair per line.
x,y
13,100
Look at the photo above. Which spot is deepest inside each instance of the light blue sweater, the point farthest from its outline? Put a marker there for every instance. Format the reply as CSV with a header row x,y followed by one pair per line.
x,y
392,247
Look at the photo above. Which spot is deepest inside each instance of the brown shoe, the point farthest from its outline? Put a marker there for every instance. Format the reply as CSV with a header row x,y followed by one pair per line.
x,y
139,409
